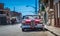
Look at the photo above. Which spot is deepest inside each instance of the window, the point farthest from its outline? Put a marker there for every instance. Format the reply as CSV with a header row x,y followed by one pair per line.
x,y
7,14
1,12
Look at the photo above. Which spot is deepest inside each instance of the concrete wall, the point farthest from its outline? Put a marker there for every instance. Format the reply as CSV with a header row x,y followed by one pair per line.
x,y
57,14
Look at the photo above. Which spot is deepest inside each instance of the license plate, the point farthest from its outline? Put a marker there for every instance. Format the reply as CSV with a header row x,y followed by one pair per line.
x,y
39,24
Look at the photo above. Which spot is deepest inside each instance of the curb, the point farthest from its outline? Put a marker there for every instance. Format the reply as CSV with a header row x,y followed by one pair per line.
x,y
52,32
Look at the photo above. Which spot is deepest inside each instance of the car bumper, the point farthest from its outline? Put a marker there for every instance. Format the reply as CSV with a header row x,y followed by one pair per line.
x,y
34,27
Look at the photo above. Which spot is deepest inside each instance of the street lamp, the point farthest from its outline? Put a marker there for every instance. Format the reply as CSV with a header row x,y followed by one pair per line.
x,y
34,7
31,6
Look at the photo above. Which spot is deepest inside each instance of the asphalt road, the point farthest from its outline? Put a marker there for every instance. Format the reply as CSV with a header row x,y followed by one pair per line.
x,y
15,30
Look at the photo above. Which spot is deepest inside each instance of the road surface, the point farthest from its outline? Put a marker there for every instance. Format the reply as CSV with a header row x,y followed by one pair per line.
x,y
15,30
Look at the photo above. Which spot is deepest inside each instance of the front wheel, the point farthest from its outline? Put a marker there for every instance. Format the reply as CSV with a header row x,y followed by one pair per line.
x,y
23,30
43,29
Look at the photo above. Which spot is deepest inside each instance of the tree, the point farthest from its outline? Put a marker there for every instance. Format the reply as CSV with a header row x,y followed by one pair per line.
x,y
42,8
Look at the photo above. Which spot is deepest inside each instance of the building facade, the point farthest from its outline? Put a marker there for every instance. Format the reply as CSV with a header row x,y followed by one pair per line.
x,y
57,13
4,14
52,7
8,16
1,5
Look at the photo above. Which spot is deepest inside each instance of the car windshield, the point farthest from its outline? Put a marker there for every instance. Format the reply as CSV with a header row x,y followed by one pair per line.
x,y
31,17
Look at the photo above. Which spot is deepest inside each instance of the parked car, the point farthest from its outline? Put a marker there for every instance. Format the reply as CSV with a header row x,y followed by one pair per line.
x,y
32,22
13,20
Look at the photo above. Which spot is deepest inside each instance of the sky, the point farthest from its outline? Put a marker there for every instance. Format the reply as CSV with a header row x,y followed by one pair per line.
x,y
20,5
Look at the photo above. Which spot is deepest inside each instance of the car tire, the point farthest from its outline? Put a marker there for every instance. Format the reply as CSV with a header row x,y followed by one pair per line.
x,y
43,29
23,30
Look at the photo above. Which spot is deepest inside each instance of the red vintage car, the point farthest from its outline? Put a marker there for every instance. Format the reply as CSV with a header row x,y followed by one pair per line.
x,y
32,22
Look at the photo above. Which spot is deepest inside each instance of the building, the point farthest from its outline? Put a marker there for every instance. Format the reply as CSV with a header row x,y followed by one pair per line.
x,y
49,10
4,14
1,5
52,8
8,16
57,12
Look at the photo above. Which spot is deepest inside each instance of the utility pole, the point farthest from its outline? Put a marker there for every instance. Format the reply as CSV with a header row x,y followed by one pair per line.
x,y
39,5
39,1
36,6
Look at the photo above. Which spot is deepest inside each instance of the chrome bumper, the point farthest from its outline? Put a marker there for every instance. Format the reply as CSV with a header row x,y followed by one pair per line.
x,y
36,26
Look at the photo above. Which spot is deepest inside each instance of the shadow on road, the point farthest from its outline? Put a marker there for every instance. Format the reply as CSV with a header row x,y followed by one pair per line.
x,y
9,24
35,30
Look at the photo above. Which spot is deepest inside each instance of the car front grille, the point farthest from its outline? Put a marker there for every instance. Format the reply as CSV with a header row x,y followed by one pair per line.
x,y
32,23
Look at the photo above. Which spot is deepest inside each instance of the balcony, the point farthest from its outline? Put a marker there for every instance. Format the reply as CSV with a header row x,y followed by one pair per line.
x,y
2,15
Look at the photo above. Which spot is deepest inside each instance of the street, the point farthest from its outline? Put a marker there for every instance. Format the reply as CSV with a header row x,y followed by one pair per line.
x,y
15,30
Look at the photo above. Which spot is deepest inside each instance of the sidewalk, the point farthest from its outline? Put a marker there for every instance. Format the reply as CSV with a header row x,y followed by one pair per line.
x,y
54,29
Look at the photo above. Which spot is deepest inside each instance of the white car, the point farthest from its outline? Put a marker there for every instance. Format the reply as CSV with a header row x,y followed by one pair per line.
x,y
32,22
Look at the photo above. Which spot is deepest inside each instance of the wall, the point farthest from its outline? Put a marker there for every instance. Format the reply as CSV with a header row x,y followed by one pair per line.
x,y
1,6
57,14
